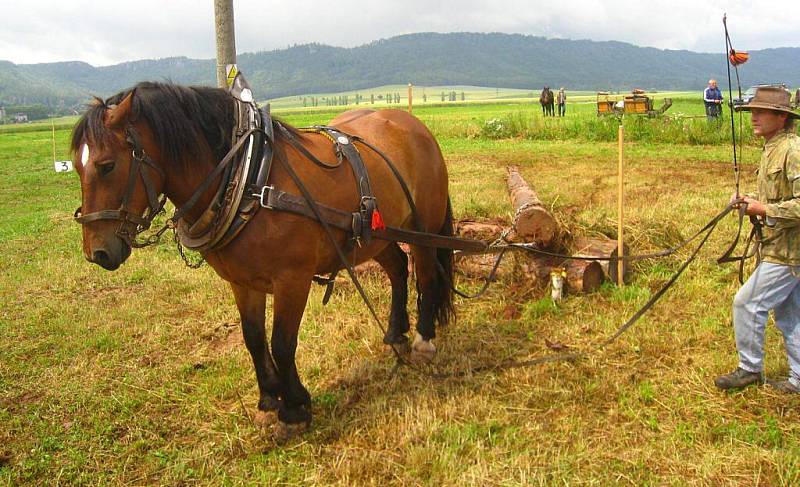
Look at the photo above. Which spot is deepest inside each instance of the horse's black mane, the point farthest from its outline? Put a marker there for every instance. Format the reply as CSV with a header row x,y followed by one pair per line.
x,y
183,119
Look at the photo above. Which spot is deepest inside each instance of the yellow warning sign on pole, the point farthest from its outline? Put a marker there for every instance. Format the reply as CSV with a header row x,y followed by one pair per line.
x,y
231,70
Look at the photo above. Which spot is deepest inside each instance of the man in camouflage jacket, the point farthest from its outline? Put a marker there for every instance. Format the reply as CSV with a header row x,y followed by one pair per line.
x,y
775,283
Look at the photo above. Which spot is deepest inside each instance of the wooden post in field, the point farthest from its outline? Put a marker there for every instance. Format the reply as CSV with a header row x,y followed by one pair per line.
x,y
226,39
53,125
620,273
410,95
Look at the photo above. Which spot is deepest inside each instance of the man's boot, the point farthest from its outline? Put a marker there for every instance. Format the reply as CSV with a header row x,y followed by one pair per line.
x,y
738,379
784,386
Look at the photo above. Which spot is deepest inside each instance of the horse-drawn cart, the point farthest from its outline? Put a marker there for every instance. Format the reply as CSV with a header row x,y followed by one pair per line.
x,y
637,103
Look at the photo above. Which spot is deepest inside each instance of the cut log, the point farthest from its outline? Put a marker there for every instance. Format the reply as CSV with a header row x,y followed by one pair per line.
x,y
583,276
605,248
532,222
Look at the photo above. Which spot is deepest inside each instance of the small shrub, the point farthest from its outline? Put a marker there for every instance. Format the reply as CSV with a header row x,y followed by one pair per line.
x,y
494,128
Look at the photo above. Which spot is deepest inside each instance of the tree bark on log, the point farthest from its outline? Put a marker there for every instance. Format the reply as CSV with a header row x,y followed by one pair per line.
x,y
486,231
532,222
602,247
480,266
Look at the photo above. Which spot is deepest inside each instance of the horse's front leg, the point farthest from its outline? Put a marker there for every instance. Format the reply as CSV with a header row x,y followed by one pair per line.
x,y
290,296
252,309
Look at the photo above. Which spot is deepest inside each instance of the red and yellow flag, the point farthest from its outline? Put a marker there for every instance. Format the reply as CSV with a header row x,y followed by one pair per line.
x,y
738,57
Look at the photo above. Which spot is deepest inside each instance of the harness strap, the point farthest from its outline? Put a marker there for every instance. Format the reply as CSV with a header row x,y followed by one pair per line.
x,y
108,215
275,199
198,193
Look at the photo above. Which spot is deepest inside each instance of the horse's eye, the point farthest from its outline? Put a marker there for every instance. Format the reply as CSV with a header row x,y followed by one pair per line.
x,y
105,167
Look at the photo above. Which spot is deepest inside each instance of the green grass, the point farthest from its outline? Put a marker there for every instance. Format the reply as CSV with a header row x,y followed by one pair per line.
x,y
140,376
684,123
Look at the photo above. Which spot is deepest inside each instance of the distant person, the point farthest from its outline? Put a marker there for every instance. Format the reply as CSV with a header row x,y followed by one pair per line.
x,y
713,100
797,98
562,102
775,284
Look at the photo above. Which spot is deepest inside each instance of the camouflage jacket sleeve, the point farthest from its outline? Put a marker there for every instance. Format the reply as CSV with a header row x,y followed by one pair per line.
x,y
786,213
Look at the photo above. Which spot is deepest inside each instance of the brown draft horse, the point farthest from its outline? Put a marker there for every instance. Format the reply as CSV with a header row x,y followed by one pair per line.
x,y
547,101
185,131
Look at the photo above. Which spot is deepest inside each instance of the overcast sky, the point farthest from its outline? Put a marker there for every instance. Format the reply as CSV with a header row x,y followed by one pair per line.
x,y
110,32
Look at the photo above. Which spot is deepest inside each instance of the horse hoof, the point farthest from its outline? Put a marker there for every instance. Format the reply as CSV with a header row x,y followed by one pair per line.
x,y
283,432
264,419
422,349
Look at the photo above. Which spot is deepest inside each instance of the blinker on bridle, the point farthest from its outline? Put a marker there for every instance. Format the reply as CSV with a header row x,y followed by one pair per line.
x,y
132,224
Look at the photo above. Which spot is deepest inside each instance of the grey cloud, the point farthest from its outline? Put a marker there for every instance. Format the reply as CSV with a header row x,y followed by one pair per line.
x,y
113,32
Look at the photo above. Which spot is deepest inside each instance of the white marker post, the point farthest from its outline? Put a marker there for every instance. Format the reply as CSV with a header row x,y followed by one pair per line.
x,y
620,276
59,166
410,94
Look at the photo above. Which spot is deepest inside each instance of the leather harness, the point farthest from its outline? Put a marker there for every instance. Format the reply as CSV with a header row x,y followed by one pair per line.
x,y
244,188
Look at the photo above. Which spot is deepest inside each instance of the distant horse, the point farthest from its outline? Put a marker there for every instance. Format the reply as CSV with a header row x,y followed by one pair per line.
x,y
183,132
547,101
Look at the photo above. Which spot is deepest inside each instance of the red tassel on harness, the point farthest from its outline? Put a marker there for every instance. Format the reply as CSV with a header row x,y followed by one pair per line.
x,y
377,221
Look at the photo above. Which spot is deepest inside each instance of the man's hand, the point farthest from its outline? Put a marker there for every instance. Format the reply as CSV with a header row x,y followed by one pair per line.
x,y
754,207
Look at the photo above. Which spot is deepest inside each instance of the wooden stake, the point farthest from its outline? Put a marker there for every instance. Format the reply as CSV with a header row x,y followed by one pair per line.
x,y
410,94
53,126
620,273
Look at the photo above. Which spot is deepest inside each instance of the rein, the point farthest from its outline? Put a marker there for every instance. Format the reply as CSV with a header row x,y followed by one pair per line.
x,y
729,52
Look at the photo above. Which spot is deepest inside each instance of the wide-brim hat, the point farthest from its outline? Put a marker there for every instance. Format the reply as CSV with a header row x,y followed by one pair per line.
x,y
771,98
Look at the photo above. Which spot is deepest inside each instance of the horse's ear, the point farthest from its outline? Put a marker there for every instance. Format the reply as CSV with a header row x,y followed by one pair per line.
x,y
119,115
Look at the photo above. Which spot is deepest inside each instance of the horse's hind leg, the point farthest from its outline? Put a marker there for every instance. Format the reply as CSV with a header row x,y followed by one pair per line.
x,y
252,308
395,262
434,297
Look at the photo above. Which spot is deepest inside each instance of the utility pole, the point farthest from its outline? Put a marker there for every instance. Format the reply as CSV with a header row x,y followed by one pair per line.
x,y
226,39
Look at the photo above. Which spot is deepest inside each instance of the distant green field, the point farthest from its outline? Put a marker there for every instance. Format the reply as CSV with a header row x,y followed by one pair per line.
x,y
424,97
432,95
493,113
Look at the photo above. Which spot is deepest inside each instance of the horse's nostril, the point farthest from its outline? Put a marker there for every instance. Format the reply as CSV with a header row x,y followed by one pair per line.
x,y
101,258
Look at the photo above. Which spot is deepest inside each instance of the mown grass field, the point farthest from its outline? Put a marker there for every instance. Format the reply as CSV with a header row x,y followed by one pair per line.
x,y
140,376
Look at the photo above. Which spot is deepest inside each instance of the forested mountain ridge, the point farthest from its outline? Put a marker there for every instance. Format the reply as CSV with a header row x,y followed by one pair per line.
x,y
493,60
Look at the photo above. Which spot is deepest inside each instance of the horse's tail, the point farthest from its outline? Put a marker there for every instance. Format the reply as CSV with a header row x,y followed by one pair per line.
x,y
443,295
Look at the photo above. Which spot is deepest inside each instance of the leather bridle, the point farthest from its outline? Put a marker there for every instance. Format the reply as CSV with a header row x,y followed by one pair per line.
x,y
132,224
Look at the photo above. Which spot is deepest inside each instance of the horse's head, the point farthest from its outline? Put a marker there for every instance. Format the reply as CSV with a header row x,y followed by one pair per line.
x,y
120,182
155,138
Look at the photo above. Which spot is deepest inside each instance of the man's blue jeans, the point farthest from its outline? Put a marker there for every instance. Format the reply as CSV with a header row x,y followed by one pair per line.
x,y
771,287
